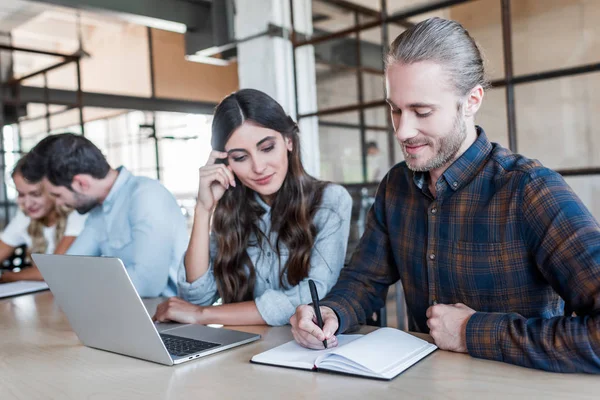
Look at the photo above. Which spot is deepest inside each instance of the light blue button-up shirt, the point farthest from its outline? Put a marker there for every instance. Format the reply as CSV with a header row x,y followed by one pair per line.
x,y
276,304
140,223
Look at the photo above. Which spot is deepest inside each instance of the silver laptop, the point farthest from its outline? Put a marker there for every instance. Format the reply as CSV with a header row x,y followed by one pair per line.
x,y
106,313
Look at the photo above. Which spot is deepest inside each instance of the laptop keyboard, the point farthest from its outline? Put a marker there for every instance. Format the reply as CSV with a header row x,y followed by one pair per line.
x,y
180,346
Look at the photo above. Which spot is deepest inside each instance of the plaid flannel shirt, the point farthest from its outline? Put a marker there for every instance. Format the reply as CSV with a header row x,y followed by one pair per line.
x,y
505,236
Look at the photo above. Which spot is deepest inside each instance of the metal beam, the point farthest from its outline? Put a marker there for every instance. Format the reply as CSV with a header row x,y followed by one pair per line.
x,y
345,67
345,125
341,51
153,94
193,14
385,41
35,51
390,19
293,38
579,171
68,98
14,81
423,9
508,71
344,109
361,101
47,115
552,74
3,160
348,5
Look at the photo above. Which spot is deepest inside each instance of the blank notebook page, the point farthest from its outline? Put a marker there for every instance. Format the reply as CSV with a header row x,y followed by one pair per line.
x,y
379,351
293,355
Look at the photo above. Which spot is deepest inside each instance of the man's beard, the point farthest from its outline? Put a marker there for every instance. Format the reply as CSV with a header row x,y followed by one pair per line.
x,y
449,145
84,204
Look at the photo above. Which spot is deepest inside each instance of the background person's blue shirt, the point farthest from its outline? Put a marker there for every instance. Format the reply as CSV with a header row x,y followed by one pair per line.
x,y
140,223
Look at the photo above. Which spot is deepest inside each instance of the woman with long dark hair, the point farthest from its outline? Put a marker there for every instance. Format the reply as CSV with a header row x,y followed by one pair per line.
x,y
273,225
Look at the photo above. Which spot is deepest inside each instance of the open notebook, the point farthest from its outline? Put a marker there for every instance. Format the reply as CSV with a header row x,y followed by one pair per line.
x,y
382,354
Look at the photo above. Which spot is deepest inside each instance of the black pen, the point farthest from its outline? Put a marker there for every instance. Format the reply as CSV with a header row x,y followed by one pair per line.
x,y
315,301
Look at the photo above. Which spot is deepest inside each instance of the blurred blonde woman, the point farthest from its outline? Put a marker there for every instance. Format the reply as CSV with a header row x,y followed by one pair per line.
x,y
39,224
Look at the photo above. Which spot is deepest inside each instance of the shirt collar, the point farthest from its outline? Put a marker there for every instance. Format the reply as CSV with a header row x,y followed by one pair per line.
x,y
465,168
262,203
123,177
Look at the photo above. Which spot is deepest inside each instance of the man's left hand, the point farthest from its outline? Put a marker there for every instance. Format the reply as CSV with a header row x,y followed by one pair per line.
x,y
448,326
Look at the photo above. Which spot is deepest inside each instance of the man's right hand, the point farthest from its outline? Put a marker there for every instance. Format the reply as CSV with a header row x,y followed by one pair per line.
x,y
306,331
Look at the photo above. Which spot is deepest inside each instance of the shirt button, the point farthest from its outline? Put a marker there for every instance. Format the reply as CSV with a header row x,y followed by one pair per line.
x,y
268,281
434,210
455,184
268,254
432,256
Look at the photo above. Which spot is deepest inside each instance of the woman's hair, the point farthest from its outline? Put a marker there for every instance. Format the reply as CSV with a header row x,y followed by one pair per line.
x,y
35,230
237,215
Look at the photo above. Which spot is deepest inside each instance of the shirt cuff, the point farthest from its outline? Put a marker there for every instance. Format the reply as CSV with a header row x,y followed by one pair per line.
x,y
341,312
274,307
200,291
484,335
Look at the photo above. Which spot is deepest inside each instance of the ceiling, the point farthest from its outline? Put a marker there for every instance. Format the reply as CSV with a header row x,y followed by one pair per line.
x,y
331,18
14,13
61,21
55,28
393,6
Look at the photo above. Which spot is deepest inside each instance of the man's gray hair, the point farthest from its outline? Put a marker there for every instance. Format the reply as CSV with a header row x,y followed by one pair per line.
x,y
446,43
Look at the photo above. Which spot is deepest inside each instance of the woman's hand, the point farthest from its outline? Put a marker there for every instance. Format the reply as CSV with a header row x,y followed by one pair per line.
x,y
177,310
215,179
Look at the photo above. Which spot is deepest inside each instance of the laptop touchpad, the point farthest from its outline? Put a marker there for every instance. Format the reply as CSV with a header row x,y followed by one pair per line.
x,y
215,335
165,326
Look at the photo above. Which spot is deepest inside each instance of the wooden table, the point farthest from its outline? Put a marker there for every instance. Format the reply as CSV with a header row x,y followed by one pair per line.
x,y
41,358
